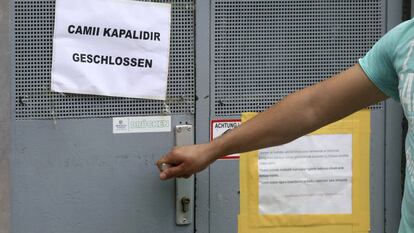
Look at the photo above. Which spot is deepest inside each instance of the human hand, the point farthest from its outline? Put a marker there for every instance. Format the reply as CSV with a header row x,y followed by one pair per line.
x,y
185,161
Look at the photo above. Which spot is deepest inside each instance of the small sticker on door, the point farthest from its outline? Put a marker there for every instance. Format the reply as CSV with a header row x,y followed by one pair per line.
x,y
149,124
220,127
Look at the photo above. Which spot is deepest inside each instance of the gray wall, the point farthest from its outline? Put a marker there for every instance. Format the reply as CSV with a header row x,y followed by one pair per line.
x,y
4,117
412,8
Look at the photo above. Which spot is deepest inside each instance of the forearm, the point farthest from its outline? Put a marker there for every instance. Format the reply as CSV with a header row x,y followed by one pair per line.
x,y
289,119
301,113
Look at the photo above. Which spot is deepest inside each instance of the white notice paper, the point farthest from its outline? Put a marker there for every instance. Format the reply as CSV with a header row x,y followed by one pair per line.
x,y
112,48
311,175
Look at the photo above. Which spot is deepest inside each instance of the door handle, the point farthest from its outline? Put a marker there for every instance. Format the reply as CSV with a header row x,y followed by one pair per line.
x,y
184,199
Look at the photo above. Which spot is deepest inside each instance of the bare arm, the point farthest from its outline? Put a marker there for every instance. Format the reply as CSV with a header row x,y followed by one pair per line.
x,y
298,114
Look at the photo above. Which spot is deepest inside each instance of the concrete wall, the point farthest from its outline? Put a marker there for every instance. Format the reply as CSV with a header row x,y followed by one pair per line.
x,y
5,119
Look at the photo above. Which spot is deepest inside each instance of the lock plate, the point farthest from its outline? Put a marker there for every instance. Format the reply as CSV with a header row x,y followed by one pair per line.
x,y
184,135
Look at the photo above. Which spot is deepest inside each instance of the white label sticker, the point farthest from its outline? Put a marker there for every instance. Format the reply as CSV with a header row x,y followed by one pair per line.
x,y
311,175
151,124
220,127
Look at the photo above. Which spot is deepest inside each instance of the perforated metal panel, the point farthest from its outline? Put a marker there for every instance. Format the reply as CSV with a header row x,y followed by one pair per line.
x,y
33,33
264,50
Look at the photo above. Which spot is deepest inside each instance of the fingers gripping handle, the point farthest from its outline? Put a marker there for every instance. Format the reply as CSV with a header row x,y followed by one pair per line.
x,y
184,201
164,166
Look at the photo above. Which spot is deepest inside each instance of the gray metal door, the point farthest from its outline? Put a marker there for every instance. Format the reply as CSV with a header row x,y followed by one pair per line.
x,y
69,172
260,51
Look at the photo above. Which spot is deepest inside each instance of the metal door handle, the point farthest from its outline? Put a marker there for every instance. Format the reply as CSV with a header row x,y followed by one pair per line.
x,y
184,204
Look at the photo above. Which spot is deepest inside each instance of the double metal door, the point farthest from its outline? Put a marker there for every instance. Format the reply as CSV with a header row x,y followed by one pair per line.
x,y
71,173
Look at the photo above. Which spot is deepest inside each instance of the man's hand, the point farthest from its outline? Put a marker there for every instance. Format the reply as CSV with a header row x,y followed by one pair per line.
x,y
186,160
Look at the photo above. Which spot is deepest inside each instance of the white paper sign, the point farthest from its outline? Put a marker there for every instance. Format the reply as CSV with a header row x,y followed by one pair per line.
x,y
311,175
148,124
111,47
220,127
